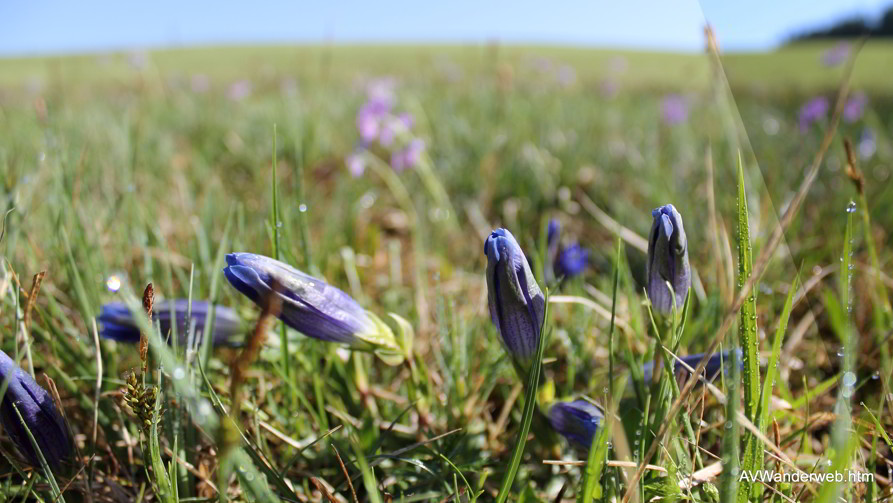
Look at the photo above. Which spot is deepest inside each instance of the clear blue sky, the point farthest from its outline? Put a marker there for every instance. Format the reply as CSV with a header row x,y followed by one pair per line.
x,y
64,26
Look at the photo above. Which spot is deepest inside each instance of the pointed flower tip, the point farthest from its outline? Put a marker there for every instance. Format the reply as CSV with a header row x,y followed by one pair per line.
x,y
309,305
39,415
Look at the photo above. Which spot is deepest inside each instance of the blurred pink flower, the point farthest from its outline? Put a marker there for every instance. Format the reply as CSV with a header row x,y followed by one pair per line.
x,y
239,90
674,109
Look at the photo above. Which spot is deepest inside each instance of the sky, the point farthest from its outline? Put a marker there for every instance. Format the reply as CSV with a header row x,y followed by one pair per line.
x,y
62,26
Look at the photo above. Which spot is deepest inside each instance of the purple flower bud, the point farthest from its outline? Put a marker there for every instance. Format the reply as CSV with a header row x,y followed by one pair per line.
x,y
517,306
118,324
667,260
577,421
674,109
309,305
812,111
714,364
854,107
38,412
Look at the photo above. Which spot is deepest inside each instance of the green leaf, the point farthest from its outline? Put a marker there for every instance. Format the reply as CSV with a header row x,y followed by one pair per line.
x,y
527,416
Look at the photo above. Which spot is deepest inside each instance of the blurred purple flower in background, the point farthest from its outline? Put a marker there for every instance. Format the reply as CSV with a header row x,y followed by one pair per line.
x,y
239,90
867,146
356,164
409,156
370,116
392,127
571,261
812,111
855,107
674,109
836,55
378,123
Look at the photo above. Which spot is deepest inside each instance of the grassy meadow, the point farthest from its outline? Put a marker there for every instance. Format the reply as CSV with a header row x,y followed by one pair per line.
x,y
124,169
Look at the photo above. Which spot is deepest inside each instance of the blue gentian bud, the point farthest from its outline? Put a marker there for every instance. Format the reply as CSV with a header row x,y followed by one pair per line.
x,y
571,261
517,306
576,420
38,412
716,362
667,260
118,324
309,305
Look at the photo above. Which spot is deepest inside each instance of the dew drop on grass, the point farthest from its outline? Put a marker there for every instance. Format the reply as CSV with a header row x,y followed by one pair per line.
x,y
851,207
302,208
179,373
849,379
113,283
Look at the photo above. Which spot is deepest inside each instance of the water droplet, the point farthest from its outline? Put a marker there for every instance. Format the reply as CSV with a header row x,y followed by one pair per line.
x,y
728,425
279,224
875,376
249,476
851,207
609,445
113,283
849,379
302,208
179,373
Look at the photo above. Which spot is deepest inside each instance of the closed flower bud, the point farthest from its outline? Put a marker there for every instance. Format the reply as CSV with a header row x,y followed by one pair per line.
x,y
576,420
38,412
517,306
716,362
118,324
667,260
309,305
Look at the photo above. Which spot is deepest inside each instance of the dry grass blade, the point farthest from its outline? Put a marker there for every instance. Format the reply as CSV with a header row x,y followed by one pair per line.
x,y
628,235
32,299
759,268
272,306
322,489
353,491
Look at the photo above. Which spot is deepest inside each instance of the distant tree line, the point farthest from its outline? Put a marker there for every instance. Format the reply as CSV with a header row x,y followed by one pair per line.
x,y
853,27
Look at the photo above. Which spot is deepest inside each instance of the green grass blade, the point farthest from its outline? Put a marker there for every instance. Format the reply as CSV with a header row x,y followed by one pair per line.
x,y
598,451
529,409
44,466
772,367
750,349
844,440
